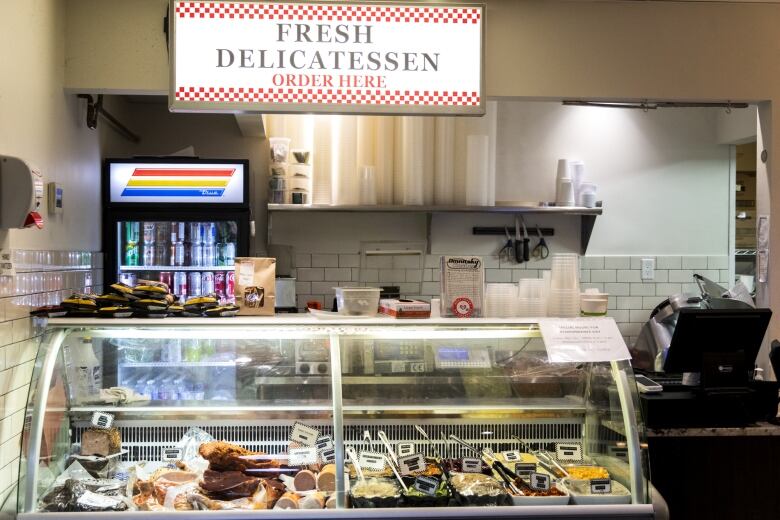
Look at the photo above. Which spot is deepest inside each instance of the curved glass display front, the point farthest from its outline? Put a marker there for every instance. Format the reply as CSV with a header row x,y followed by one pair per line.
x,y
290,413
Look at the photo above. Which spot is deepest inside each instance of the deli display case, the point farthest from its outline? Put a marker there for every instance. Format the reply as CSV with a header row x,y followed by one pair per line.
x,y
255,417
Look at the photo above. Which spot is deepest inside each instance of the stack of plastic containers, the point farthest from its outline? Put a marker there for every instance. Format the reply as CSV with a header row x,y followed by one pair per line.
x,y
564,295
531,298
500,300
300,181
277,184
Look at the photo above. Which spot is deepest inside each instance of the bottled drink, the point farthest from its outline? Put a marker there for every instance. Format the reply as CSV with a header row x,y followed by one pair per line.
x,y
150,253
149,232
191,351
219,284
131,242
196,232
178,253
207,282
171,352
163,232
197,254
150,390
193,284
89,376
166,277
230,285
162,253
230,253
208,258
180,285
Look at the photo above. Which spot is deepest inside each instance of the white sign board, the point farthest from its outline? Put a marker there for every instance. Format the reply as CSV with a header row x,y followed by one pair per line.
x,y
583,340
197,182
327,57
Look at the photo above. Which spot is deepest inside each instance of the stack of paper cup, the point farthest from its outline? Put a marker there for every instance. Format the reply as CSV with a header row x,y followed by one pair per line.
x,y
500,300
564,297
564,191
577,177
531,301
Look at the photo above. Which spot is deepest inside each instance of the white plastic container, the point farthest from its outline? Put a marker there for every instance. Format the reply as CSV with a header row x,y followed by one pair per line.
x,y
594,304
357,301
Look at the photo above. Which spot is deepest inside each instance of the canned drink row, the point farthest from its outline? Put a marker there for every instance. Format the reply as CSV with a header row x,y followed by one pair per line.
x,y
193,283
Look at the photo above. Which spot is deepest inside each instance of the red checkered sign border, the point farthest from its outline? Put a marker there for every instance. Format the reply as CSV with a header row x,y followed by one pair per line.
x,y
326,96
328,12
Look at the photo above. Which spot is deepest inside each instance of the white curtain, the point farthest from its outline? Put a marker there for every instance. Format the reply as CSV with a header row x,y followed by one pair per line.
x,y
417,160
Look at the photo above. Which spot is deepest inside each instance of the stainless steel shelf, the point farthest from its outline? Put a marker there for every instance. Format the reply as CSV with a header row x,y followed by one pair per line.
x,y
445,406
527,208
183,364
176,267
157,407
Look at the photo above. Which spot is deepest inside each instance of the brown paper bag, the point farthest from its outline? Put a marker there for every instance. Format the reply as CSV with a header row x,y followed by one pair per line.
x,y
256,286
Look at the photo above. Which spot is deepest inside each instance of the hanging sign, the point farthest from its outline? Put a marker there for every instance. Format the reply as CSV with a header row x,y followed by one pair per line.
x,y
327,57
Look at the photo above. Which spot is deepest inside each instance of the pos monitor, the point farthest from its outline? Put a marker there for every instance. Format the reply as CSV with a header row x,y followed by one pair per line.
x,y
721,344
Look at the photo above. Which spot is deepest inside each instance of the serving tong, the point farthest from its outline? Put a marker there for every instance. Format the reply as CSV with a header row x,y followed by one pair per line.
x,y
507,475
437,458
544,457
392,461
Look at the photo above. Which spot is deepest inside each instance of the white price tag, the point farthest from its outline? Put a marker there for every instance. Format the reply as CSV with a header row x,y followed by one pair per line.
x,y
405,448
303,434
583,340
171,454
302,456
328,456
324,443
372,460
471,465
524,469
412,464
102,420
568,451
600,486
427,485
540,481
511,456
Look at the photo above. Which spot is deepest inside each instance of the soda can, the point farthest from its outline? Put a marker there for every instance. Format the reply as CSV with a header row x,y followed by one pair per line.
x,y
180,285
177,231
230,254
132,232
196,257
128,279
210,232
219,284
208,254
207,282
193,284
149,232
230,284
162,254
131,253
149,254
166,277
178,253
163,232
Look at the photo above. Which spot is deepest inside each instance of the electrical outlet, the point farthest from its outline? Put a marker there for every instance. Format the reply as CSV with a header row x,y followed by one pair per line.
x,y
648,269
6,266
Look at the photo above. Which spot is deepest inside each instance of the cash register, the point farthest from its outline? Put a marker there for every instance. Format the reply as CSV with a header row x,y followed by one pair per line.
x,y
715,351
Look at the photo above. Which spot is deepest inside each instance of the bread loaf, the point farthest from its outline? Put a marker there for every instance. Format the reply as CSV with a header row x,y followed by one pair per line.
x,y
314,501
101,441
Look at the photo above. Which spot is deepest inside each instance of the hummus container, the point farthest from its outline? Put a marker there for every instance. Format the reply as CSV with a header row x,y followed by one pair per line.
x,y
619,495
357,301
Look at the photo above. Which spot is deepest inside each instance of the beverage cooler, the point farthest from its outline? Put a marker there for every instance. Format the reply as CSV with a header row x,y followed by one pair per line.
x,y
181,221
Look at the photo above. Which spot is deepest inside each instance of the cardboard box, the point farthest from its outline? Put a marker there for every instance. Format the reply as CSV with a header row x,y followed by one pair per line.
x,y
405,308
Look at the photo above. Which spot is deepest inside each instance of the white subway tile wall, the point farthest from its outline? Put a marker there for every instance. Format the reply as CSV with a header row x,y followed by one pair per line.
x,y
631,298
42,278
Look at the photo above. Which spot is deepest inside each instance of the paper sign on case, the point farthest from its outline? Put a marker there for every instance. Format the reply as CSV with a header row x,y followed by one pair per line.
x,y
583,340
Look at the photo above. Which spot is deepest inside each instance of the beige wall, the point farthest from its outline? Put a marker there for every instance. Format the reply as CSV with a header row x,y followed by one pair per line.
x,y
44,126
541,49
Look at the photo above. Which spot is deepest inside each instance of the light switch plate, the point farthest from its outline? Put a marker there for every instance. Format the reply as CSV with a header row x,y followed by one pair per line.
x,y
6,265
648,269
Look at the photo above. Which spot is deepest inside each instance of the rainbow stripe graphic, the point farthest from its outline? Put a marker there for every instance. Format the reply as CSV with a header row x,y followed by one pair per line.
x,y
178,182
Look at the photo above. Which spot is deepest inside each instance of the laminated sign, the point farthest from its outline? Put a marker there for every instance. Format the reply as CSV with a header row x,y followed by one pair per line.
x,y
583,340
327,57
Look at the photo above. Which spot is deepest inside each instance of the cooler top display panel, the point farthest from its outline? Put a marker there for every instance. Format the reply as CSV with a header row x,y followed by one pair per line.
x,y
177,182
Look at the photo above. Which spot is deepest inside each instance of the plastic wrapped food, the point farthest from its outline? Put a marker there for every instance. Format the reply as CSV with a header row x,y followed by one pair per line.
x,y
74,495
476,489
375,492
